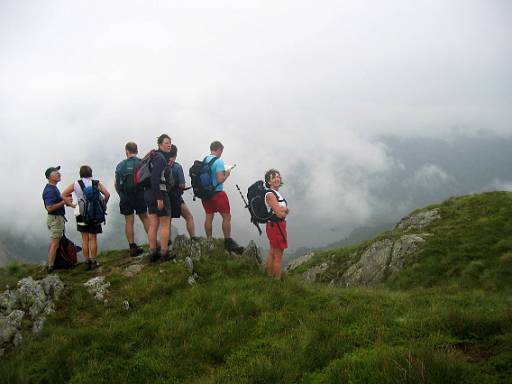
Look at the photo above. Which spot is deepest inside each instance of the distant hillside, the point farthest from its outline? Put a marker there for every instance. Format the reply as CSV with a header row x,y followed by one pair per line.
x,y
467,244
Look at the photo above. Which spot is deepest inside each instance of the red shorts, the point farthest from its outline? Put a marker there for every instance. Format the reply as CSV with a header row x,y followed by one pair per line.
x,y
218,203
276,239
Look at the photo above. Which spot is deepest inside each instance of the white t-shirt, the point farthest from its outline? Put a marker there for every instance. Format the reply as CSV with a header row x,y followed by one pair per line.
x,y
78,190
280,200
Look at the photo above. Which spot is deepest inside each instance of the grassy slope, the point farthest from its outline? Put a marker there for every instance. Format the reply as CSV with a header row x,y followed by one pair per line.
x,y
237,326
471,248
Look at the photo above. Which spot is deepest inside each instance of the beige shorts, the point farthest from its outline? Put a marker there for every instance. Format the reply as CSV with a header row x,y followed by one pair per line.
x,y
55,226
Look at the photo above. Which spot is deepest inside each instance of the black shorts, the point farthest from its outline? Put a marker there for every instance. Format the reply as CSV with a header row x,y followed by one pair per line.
x,y
89,228
132,202
152,204
176,201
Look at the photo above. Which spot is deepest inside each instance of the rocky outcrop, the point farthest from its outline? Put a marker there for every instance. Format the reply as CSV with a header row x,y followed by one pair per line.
x,y
381,258
253,253
418,221
299,261
97,287
31,301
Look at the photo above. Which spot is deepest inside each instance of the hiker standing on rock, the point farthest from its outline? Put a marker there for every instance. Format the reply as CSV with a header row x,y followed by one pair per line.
x,y
219,202
54,203
92,198
178,206
157,199
276,226
131,196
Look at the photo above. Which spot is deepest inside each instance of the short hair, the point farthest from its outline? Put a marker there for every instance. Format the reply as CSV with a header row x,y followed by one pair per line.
x,y
160,139
216,145
131,147
271,173
174,151
85,171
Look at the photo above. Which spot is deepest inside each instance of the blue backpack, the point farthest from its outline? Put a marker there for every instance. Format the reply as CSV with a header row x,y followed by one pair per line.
x,y
201,178
92,206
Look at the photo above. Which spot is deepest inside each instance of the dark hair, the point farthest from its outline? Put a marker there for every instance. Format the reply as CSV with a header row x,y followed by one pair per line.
x,y
271,173
160,139
174,151
131,147
216,145
85,171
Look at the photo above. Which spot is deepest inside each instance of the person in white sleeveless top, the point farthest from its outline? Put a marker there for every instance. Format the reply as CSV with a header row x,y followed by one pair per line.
x,y
88,231
276,226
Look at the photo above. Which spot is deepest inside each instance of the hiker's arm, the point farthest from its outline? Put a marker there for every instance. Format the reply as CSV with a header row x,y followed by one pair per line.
x,y
280,212
222,176
54,207
104,191
66,195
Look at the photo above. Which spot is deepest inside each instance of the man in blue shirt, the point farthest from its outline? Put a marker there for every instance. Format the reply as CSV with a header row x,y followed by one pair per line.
x,y
54,204
219,202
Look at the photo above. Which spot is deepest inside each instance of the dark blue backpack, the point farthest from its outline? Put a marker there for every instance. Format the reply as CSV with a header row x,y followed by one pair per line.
x,y
92,206
201,178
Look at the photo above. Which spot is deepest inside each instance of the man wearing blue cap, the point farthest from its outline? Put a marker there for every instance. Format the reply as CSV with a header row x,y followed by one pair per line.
x,y
54,204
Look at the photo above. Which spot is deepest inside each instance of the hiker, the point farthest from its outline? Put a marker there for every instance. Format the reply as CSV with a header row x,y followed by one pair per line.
x,y
157,199
54,203
219,202
178,206
276,226
131,196
92,197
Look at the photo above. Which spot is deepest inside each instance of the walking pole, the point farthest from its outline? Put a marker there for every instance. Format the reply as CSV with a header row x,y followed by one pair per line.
x,y
247,206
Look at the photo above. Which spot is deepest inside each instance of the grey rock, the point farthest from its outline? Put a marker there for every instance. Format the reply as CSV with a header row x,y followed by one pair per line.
x,y
418,221
38,325
10,325
52,286
192,279
133,269
195,249
253,253
126,305
189,263
98,287
17,339
299,261
312,274
403,249
31,297
371,267
8,301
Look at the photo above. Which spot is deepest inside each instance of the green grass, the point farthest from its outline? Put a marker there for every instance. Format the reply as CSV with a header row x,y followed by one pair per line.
x,y
238,326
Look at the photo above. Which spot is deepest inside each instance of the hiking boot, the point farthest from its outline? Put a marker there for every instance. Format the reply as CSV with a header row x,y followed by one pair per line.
x,y
135,250
165,255
195,238
94,263
50,269
88,265
231,245
154,255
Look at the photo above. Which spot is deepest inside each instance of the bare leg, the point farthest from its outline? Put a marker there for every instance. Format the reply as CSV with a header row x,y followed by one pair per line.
x,y
165,231
145,221
208,225
128,228
93,245
152,230
52,251
189,219
278,259
270,262
226,224
85,245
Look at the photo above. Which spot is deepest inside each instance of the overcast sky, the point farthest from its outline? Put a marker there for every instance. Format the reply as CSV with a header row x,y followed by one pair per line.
x,y
307,87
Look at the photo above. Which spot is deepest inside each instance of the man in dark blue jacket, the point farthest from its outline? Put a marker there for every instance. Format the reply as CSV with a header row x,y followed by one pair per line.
x,y
157,199
54,204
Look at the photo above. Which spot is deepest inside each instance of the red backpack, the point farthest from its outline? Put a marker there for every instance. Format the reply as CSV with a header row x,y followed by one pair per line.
x,y
66,254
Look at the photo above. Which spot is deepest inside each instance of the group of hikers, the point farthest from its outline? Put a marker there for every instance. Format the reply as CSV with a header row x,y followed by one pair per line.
x,y
152,188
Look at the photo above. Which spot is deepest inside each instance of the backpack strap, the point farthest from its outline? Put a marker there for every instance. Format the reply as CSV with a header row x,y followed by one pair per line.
x,y
210,163
82,185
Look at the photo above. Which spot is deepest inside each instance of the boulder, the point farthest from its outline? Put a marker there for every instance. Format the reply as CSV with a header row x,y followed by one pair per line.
x,y
98,287
418,221
133,269
8,301
10,326
299,261
312,274
31,297
253,253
